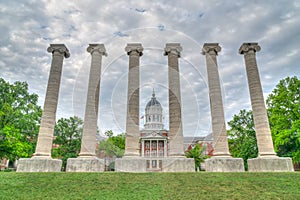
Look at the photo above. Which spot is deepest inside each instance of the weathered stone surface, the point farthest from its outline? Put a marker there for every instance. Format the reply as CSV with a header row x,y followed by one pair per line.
x,y
88,164
130,164
88,141
219,164
178,165
39,165
139,164
210,50
261,122
135,51
173,50
270,164
45,137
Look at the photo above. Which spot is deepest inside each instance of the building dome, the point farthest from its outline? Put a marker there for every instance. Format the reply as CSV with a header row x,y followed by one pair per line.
x,y
153,101
153,114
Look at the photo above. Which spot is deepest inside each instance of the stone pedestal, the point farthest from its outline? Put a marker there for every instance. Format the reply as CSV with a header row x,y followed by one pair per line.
x,y
39,165
224,164
270,164
89,164
139,164
178,165
130,164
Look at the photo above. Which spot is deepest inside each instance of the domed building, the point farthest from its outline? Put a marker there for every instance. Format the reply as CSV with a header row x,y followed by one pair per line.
x,y
154,138
153,115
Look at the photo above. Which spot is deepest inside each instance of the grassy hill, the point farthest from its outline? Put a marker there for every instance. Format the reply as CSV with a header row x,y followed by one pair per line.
x,y
149,185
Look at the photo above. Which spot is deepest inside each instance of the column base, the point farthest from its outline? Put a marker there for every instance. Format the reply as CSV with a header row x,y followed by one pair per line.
x,y
224,164
36,164
270,164
143,164
87,164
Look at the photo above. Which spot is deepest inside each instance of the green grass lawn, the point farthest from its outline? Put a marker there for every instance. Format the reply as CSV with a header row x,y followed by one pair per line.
x,y
149,185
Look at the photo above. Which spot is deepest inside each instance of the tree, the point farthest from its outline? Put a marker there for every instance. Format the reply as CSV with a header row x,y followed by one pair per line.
x,y
242,137
19,120
284,116
67,133
197,152
114,145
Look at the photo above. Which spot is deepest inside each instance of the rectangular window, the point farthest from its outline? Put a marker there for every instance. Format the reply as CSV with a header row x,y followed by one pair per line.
x,y
154,153
147,145
153,145
154,164
161,153
161,144
147,153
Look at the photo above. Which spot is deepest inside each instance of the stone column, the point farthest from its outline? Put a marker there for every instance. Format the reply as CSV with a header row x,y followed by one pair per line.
x,y
87,161
210,50
45,138
135,51
143,148
88,141
150,148
261,122
172,50
221,160
165,148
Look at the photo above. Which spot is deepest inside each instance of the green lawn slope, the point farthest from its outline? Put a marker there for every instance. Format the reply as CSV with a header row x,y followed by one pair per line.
x,y
149,185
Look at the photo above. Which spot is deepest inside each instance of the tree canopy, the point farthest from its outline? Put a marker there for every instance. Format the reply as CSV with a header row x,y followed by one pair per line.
x,y
242,137
19,120
67,137
284,116
114,145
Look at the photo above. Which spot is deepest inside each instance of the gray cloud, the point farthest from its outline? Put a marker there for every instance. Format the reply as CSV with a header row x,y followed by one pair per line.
x,y
27,28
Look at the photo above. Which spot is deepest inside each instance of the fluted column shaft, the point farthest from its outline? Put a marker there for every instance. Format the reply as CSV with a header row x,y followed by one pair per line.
x,y
172,50
88,141
210,50
45,138
261,122
134,50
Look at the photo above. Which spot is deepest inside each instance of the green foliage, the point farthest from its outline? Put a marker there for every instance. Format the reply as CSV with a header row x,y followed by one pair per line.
x,y
197,152
152,186
67,134
114,145
242,138
284,116
19,120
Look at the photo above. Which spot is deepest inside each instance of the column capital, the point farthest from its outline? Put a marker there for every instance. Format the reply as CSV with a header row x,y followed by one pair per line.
x,y
60,48
211,47
246,47
97,48
134,48
173,48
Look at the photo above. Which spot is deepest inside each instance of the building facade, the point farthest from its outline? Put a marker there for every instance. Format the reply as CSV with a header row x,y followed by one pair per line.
x,y
154,141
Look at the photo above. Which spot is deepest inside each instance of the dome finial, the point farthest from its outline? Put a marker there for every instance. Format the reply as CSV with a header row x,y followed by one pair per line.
x,y
153,94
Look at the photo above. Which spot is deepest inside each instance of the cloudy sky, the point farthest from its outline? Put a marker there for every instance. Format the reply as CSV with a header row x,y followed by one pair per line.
x,y
28,27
